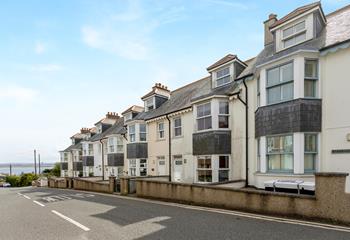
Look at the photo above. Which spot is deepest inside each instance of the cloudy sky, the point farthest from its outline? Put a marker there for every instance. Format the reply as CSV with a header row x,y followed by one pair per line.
x,y
65,63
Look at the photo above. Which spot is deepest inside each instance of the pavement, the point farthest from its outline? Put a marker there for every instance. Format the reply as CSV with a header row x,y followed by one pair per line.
x,y
43,213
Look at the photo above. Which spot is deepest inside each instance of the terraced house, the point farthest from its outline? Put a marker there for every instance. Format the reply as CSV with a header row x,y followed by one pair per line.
x,y
277,116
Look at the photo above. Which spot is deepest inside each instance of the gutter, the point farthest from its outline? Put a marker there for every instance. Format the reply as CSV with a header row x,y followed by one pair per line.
x,y
334,45
169,136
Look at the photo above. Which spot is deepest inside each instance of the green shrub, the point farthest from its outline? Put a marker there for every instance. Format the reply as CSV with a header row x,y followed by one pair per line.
x,y
56,170
13,180
91,174
27,179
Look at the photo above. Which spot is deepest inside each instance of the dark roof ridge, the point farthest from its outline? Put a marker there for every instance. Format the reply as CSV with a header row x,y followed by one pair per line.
x,y
291,14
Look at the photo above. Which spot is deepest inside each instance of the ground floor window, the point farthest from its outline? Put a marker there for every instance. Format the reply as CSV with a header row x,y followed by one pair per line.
x,y
280,153
310,152
204,170
143,167
224,168
132,167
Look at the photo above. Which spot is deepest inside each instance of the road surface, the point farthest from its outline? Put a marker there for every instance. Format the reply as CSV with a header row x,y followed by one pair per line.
x,y
42,213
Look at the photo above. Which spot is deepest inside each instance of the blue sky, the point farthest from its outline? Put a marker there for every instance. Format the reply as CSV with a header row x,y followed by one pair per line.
x,y
65,63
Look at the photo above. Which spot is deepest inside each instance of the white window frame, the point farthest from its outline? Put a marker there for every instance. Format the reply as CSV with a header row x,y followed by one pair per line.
x,y
132,135
280,83
293,35
148,103
160,132
145,132
198,169
132,167
204,116
314,153
177,127
112,144
224,169
313,79
143,166
281,153
227,75
120,144
90,149
227,115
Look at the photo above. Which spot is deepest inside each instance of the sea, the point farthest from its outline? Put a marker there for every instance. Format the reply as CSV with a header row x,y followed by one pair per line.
x,y
18,170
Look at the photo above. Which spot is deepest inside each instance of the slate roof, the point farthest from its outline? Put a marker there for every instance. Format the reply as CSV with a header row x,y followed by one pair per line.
x,y
296,12
227,58
73,147
116,128
180,99
134,108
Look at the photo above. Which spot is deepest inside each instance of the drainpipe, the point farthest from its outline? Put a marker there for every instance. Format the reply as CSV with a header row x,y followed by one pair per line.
x,y
103,162
169,127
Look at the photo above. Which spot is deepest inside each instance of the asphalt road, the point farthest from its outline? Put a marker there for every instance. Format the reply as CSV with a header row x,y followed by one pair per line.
x,y
41,213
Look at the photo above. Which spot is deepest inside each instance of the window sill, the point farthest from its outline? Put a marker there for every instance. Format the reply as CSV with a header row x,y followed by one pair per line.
x,y
160,139
177,137
281,174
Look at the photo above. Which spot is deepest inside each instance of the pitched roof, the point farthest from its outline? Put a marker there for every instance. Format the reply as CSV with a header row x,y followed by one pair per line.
x,y
116,128
227,58
179,99
73,147
133,108
296,12
338,27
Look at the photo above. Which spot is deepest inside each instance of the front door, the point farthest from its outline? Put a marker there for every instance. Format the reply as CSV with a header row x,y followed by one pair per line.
x,y
177,169
161,167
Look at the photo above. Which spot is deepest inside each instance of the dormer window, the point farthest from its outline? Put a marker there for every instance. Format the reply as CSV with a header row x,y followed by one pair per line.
x,y
99,128
294,35
149,104
127,116
223,76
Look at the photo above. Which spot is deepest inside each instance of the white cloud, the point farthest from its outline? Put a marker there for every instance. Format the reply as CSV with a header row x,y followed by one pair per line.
x,y
112,41
17,93
46,67
40,48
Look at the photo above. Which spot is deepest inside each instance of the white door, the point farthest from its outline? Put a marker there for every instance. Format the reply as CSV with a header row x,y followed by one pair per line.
x,y
161,168
177,169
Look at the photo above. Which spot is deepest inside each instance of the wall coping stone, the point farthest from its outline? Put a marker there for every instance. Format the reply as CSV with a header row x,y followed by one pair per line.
x,y
332,174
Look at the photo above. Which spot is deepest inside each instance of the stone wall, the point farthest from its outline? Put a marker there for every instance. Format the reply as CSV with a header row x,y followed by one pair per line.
x,y
330,203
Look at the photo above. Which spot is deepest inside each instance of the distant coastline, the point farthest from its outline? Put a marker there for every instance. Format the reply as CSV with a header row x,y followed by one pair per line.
x,y
26,165
19,168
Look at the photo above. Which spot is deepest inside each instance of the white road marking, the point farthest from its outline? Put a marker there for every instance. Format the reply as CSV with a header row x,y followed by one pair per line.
x,y
40,204
20,194
71,221
25,196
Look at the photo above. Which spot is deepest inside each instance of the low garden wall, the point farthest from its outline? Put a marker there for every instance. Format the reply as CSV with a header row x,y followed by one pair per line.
x,y
330,202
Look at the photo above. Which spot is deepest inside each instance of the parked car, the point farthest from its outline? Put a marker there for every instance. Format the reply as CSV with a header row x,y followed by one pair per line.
x,y
6,184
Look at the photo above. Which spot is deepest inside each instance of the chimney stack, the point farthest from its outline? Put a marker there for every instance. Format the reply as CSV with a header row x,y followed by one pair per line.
x,y
160,86
112,115
268,37
84,130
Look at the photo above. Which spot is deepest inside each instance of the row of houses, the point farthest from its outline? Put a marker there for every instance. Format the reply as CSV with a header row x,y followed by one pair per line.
x,y
280,115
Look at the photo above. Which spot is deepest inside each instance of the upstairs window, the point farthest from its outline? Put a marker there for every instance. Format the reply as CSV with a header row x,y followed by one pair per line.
x,y
294,35
143,133
160,130
149,104
65,157
279,84
91,149
177,127
223,114
111,144
132,133
127,117
223,76
310,79
204,117
120,145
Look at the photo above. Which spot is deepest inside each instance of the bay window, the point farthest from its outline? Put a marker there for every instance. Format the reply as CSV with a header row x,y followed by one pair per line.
x,y
310,152
279,84
120,145
294,34
132,133
160,130
143,133
223,76
223,114
310,78
224,168
204,116
177,127
280,153
204,170
91,149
